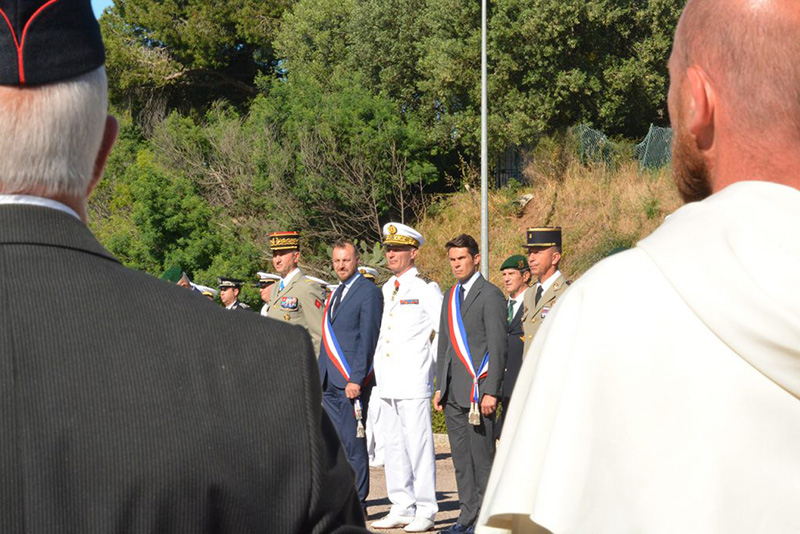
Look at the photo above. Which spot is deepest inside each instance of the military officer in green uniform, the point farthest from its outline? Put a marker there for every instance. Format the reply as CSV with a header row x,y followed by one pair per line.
x,y
297,299
544,255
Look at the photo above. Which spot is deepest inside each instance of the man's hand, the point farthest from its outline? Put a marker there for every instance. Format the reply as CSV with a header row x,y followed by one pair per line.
x,y
436,401
352,391
488,405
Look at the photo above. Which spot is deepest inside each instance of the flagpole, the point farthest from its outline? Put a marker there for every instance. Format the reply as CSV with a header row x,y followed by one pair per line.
x,y
484,153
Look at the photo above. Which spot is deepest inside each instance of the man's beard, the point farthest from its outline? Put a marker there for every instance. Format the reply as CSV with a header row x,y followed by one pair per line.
x,y
689,169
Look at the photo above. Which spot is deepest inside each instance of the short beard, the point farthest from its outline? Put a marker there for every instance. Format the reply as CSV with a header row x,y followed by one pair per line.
x,y
689,169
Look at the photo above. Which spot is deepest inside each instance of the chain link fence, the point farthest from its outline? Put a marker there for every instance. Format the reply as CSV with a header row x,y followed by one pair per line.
x,y
593,147
655,151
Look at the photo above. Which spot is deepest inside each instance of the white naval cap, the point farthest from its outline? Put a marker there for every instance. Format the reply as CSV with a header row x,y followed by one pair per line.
x,y
402,235
264,277
368,272
205,290
320,281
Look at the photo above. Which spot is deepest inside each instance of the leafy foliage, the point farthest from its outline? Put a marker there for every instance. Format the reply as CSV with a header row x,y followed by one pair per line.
x,y
249,116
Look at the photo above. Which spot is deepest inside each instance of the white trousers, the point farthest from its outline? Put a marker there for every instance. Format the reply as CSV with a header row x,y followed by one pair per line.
x,y
375,430
410,460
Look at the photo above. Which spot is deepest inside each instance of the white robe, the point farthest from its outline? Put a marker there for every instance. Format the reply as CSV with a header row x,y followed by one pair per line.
x,y
662,395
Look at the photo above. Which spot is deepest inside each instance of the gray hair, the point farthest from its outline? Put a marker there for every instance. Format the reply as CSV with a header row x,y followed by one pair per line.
x,y
50,135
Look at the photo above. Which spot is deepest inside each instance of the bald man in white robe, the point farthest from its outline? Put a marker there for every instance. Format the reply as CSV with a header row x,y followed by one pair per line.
x,y
679,410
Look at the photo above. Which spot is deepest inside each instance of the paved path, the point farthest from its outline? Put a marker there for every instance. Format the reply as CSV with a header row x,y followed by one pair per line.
x,y
378,504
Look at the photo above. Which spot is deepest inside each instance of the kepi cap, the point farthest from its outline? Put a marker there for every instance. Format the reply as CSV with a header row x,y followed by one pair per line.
x,y
517,261
284,240
548,236
46,41
401,235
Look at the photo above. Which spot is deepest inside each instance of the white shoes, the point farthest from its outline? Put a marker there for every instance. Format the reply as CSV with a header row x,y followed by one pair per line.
x,y
394,521
419,524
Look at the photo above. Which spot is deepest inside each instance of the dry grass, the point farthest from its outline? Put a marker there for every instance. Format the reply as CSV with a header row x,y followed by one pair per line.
x,y
599,211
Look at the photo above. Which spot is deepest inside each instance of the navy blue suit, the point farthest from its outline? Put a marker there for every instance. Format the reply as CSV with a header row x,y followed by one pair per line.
x,y
355,322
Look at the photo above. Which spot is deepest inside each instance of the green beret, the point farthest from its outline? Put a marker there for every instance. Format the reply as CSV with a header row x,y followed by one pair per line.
x,y
173,274
517,261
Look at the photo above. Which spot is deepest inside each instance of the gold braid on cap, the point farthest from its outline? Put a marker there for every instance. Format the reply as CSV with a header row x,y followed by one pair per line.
x,y
284,242
401,240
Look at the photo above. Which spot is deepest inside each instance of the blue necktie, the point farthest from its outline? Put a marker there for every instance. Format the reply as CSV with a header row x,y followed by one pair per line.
x,y
337,297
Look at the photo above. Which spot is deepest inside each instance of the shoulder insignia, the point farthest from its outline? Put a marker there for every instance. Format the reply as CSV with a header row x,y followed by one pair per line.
x,y
424,278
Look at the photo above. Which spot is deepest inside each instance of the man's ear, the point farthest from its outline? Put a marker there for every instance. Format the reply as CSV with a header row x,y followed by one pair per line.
x,y
109,136
701,107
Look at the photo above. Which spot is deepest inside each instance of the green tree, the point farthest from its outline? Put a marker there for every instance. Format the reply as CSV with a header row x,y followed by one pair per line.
x,y
164,54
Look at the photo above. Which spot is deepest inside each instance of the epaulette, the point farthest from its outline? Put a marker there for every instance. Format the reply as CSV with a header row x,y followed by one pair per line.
x,y
424,278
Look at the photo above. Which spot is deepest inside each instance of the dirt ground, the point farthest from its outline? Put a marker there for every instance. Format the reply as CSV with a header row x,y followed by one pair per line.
x,y
378,504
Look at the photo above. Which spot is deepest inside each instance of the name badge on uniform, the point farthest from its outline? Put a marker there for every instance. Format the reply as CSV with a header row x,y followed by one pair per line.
x,y
545,311
410,301
288,303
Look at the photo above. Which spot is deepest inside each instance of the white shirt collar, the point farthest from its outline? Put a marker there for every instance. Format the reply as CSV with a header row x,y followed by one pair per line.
x,y
349,283
288,277
550,281
470,283
31,200
410,273
518,300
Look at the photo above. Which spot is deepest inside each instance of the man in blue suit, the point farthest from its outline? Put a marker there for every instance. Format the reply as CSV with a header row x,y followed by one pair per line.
x,y
350,329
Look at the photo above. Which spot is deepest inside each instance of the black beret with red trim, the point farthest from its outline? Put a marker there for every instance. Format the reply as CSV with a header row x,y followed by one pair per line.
x,y
46,41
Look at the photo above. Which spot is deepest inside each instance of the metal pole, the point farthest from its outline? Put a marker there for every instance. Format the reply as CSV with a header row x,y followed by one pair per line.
x,y
484,153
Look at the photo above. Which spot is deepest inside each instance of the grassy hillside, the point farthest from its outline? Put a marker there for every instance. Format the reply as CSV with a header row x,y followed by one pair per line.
x,y
599,210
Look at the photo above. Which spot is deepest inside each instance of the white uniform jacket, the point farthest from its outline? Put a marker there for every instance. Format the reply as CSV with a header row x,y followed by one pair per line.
x,y
406,354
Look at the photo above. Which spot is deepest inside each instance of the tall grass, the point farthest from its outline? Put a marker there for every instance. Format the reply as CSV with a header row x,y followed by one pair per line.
x,y
600,210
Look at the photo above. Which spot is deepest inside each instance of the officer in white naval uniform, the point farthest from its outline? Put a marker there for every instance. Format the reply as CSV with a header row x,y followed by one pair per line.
x,y
405,362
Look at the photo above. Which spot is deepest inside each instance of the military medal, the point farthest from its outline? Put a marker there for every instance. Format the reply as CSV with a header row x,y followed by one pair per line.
x,y
458,338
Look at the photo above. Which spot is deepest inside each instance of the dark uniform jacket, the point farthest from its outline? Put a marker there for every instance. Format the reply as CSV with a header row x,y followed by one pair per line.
x,y
128,405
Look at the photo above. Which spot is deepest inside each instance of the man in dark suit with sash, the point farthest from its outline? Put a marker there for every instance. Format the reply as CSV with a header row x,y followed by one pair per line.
x,y
472,357
131,405
516,276
350,330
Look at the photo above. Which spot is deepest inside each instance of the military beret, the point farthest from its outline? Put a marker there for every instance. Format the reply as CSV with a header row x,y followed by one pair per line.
x,y
47,41
173,274
517,261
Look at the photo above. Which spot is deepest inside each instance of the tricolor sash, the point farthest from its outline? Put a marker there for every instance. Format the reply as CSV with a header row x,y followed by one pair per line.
x,y
458,338
336,356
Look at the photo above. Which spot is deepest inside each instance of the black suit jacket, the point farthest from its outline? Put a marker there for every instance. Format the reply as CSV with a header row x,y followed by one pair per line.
x,y
484,315
356,324
516,342
131,405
